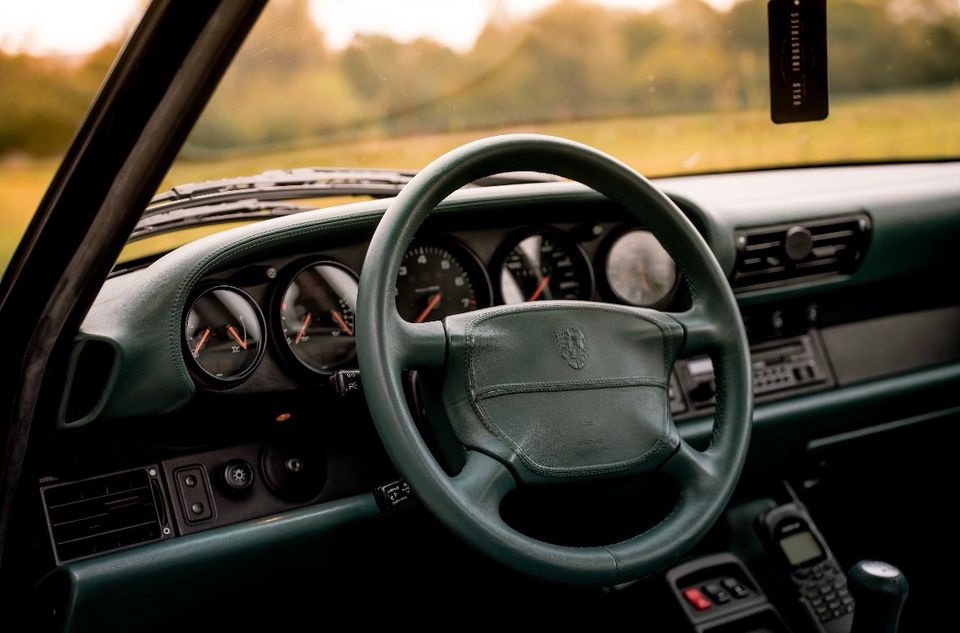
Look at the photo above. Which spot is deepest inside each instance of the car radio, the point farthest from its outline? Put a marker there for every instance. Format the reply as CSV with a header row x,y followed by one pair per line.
x,y
790,364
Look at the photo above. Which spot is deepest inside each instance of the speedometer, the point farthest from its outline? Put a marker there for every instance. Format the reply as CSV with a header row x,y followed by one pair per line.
x,y
439,278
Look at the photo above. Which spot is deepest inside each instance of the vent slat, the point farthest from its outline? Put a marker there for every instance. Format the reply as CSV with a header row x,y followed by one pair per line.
x,y
834,235
105,533
835,247
102,514
763,246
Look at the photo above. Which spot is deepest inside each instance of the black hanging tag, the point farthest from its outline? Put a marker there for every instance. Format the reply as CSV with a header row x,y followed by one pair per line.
x,y
798,60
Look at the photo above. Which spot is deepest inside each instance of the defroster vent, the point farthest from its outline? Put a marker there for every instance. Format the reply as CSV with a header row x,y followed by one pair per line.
x,y
789,253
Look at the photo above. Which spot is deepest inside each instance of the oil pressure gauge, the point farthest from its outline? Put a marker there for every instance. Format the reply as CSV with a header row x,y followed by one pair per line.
x,y
223,333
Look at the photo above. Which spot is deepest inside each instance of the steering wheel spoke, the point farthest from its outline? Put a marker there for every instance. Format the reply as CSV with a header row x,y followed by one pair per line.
x,y
700,333
420,345
483,482
691,469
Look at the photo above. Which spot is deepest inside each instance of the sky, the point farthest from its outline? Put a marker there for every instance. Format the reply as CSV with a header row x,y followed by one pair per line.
x,y
75,27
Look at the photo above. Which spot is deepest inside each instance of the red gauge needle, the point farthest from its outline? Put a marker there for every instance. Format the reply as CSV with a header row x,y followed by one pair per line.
x,y
343,324
643,279
540,288
303,328
434,300
203,339
236,336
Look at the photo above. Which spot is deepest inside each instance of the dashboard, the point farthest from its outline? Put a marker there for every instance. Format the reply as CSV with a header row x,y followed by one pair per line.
x,y
220,382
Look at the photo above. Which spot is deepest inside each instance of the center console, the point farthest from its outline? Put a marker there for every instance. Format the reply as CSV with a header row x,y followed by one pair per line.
x,y
780,576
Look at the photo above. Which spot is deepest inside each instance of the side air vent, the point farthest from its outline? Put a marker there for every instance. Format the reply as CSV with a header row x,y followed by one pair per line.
x,y
797,252
106,513
91,373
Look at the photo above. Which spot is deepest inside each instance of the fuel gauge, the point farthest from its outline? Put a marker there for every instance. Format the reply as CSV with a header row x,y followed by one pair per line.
x,y
223,333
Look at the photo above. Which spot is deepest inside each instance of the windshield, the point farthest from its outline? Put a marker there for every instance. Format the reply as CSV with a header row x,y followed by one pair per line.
x,y
670,87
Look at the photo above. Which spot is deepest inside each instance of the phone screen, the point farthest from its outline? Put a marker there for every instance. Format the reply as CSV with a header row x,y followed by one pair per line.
x,y
800,548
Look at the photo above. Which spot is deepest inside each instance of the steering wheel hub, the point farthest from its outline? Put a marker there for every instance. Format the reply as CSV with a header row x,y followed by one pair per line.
x,y
563,389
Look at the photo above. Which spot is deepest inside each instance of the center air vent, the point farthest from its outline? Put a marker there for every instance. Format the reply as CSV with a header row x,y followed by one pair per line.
x,y
105,513
796,252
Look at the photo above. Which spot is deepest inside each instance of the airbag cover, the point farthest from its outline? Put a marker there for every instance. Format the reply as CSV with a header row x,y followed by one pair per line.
x,y
571,389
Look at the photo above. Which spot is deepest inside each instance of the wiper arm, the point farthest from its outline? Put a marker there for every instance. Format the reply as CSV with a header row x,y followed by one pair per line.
x,y
256,197
344,181
309,182
164,221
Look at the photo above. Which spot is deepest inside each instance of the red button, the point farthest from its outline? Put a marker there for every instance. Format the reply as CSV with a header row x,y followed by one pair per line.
x,y
696,599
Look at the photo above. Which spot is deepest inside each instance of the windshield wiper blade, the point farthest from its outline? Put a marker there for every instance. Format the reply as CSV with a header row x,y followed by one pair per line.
x,y
220,213
261,196
309,182
341,179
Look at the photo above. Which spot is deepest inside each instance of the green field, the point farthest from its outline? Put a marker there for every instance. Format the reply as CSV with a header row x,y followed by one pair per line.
x,y
906,125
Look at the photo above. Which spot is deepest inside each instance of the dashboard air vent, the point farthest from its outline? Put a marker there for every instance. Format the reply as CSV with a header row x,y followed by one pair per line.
x,y
106,513
797,252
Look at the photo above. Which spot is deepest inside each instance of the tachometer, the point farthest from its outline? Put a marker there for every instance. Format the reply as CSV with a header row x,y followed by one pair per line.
x,y
438,279
317,316
543,266
224,333
639,270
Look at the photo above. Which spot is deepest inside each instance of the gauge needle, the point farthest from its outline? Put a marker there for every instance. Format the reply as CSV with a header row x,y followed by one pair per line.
x,y
434,300
343,324
540,288
643,279
203,339
236,336
303,328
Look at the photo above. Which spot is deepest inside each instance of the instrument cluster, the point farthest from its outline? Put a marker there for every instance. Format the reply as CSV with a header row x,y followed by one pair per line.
x,y
312,308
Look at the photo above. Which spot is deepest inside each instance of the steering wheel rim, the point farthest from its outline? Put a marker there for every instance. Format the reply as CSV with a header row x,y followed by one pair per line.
x,y
468,503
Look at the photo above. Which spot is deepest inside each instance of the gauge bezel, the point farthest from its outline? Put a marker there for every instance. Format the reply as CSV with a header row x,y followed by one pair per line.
x,y
195,367
283,281
512,239
473,265
607,292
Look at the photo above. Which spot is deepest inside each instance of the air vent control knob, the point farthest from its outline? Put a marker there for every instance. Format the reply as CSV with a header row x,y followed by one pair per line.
x,y
798,243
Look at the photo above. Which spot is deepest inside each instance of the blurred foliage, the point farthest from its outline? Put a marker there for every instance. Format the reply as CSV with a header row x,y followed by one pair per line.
x,y
572,61
43,100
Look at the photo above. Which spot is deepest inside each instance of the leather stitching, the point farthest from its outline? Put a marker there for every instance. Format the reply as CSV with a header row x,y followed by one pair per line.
x,y
506,389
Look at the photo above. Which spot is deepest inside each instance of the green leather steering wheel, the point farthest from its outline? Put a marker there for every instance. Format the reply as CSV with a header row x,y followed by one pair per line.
x,y
551,392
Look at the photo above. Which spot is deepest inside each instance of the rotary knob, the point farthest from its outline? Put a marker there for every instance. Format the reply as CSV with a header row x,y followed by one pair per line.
x,y
798,243
238,475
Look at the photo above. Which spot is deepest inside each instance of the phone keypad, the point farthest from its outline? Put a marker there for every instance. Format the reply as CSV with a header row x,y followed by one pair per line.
x,y
824,587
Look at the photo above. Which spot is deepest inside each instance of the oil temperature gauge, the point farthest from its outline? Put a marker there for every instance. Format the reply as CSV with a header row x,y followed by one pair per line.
x,y
223,333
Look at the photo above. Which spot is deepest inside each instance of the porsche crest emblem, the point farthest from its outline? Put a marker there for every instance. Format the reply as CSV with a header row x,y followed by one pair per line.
x,y
573,346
